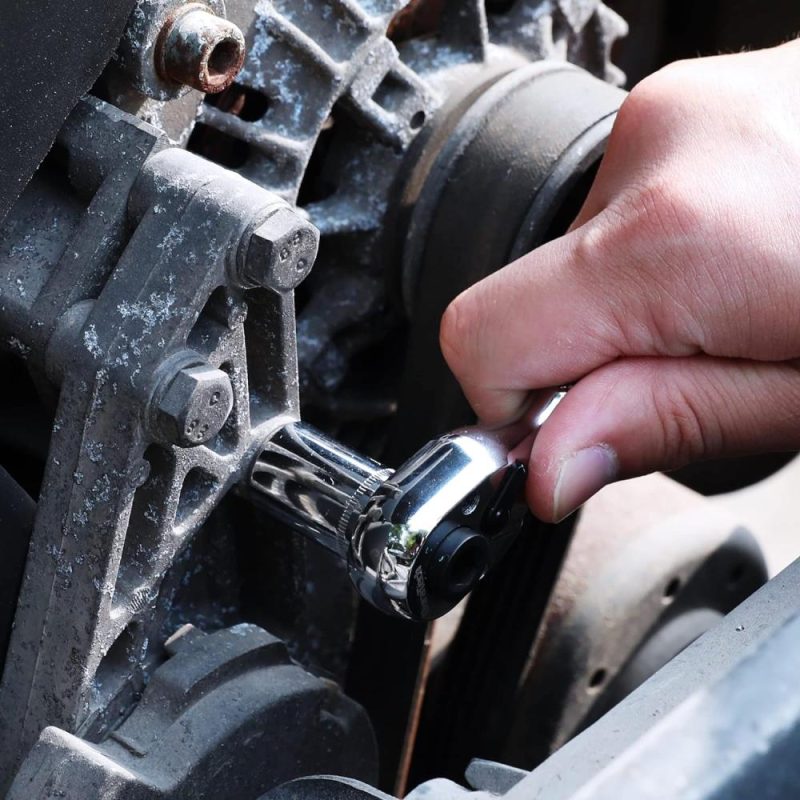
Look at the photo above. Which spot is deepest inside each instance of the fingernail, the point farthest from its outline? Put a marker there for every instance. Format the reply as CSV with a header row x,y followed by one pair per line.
x,y
581,475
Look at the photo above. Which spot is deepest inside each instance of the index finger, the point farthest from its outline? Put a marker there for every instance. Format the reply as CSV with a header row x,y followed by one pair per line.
x,y
545,320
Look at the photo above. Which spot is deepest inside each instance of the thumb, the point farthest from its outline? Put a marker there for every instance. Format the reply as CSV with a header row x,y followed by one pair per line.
x,y
640,415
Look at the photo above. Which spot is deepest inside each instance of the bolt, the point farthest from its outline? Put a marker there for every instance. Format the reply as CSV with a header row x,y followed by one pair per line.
x,y
280,252
193,405
199,49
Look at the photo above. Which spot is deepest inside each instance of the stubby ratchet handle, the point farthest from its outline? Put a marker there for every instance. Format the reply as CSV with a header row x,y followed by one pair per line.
x,y
417,539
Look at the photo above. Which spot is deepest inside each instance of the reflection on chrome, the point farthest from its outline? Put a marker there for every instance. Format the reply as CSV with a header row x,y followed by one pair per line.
x,y
415,538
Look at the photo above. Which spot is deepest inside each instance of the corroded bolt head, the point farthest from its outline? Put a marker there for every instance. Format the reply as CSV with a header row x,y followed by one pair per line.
x,y
194,405
199,49
280,251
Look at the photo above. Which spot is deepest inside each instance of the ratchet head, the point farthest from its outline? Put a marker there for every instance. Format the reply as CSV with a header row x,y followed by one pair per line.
x,y
431,530
416,539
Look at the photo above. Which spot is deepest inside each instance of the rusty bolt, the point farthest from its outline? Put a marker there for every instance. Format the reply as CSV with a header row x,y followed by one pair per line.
x,y
199,49
280,251
193,405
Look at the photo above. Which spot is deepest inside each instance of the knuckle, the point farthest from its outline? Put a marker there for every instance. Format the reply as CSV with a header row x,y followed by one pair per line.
x,y
667,85
652,214
599,240
639,110
676,74
686,433
660,103
663,209
644,245
787,398
645,106
602,246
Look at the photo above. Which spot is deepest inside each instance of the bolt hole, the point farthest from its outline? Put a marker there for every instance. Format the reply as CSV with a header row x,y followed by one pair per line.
x,y
219,146
464,569
672,589
499,6
597,679
241,101
224,58
735,576
417,121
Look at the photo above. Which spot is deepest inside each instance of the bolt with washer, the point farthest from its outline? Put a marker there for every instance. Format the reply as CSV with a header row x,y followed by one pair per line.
x,y
199,49
193,405
280,252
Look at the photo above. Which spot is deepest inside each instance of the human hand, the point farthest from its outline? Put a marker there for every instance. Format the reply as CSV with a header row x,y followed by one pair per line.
x,y
674,302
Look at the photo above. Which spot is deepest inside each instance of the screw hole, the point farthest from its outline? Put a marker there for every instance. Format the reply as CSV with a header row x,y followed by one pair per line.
x,y
597,679
417,121
499,6
224,58
672,589
464,570
471,505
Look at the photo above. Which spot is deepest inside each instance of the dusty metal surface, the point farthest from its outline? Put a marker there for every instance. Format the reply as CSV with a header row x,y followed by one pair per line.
x,y
206,719
706,564
722,720
150,295
62,46
723,710
331,112
119,503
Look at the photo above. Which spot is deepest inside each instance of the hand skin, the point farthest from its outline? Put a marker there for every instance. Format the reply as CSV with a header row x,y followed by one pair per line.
x,y
673,303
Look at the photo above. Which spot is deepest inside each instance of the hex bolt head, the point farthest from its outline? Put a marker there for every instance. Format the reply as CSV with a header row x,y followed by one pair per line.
x,y
199,49
280,251
194,405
